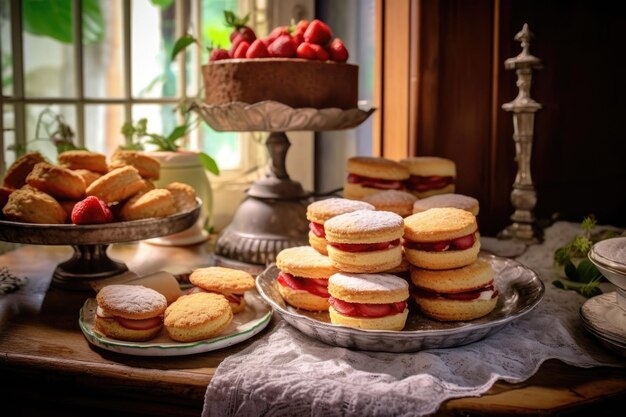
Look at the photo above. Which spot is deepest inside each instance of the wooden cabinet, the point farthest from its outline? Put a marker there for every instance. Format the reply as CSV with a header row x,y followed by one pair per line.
x,y
456,83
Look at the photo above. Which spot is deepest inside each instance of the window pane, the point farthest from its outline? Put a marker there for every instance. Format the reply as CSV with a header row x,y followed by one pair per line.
x,y
6,56
162,119
103,124
224,147
8,136
104,57
214,31
43,125
153,75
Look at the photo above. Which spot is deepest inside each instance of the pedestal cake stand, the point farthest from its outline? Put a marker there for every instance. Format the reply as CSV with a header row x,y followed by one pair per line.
x,y
272,217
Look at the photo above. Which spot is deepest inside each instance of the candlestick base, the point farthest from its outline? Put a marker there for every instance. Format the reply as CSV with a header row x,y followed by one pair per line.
x,y
528,233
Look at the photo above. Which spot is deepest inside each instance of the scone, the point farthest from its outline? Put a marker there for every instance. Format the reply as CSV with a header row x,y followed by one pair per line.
x,y
399,202
18,171
155,203
303,277
81,159
184,196
129,312
29,205
88,176
117,185
318,212
231,283
365,241
459,201
368,175
197,316
147,166
57,181
430,175
441,238
456,294
368,301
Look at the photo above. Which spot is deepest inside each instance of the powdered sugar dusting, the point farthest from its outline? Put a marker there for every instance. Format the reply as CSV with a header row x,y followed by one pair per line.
x,y
459,201
388,197
368,282
336,206
364,220
131,299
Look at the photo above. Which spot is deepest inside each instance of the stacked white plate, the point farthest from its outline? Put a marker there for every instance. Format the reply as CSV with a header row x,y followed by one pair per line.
x,y
604,316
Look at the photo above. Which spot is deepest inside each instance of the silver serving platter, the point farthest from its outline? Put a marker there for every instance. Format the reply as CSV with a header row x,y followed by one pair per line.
x,y
272,116
520,291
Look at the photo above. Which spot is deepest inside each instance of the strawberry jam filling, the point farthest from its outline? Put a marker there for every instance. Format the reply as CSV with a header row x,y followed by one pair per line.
x,y
365,247
142,324
375,182
232,298
366,310
433,182
317,229
317,287
474,294
460,243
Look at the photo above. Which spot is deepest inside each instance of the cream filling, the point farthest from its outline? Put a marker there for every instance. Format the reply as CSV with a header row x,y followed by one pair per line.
x,y
486,295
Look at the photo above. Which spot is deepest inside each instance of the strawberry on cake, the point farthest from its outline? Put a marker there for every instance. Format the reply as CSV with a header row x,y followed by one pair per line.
x,y
303,277
368,175
368,301
441,238
318,212
365,241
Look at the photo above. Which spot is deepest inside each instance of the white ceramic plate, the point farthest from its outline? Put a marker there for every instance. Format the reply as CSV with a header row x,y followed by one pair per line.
x,y
520,291
246,324
603,315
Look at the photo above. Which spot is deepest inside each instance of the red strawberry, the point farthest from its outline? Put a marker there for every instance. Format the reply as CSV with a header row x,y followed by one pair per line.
x,y
321,53
241,50
237,39
318,32
257,50
306,51
276,32
282,47
91,210
337,51
297,39
239,26
219,54
301,26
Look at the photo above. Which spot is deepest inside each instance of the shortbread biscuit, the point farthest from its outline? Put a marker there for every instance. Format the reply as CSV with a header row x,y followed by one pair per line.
x,y
303,278
81,159
117,185
441,238
459,201
231,283
88,176
29,205
147,166
320,211
57,181
368,301
368,175
197,316
129,312
399,202
18,171
430,175
365,241
465,293
184,196
155,203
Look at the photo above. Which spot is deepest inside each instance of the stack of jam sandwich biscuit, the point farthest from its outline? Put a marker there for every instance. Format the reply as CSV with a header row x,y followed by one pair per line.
x,y
451,283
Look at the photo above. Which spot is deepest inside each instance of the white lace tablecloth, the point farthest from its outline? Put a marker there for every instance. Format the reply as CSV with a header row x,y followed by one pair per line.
x,y
287,373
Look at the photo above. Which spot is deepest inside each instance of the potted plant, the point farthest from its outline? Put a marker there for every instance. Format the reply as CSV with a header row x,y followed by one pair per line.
x,y
177,164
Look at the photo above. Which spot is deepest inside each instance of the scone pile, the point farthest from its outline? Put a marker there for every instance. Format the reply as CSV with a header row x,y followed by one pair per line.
x,y
83,189
358,252
139,313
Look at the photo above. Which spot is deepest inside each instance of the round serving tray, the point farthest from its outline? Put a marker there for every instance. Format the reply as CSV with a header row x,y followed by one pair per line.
x,y
272,116
90,260
520,291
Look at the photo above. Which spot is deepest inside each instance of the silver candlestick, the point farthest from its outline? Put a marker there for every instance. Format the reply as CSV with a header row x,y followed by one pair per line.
x,y
524,198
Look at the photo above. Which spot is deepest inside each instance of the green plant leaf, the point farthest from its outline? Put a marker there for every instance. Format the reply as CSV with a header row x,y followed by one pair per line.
x,y
162,3
177,133
559,284
587,271
570,270
53,18
209,163
561,256
181,43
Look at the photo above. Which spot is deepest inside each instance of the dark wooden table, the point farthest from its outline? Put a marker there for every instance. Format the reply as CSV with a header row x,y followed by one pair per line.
x,y
48,368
